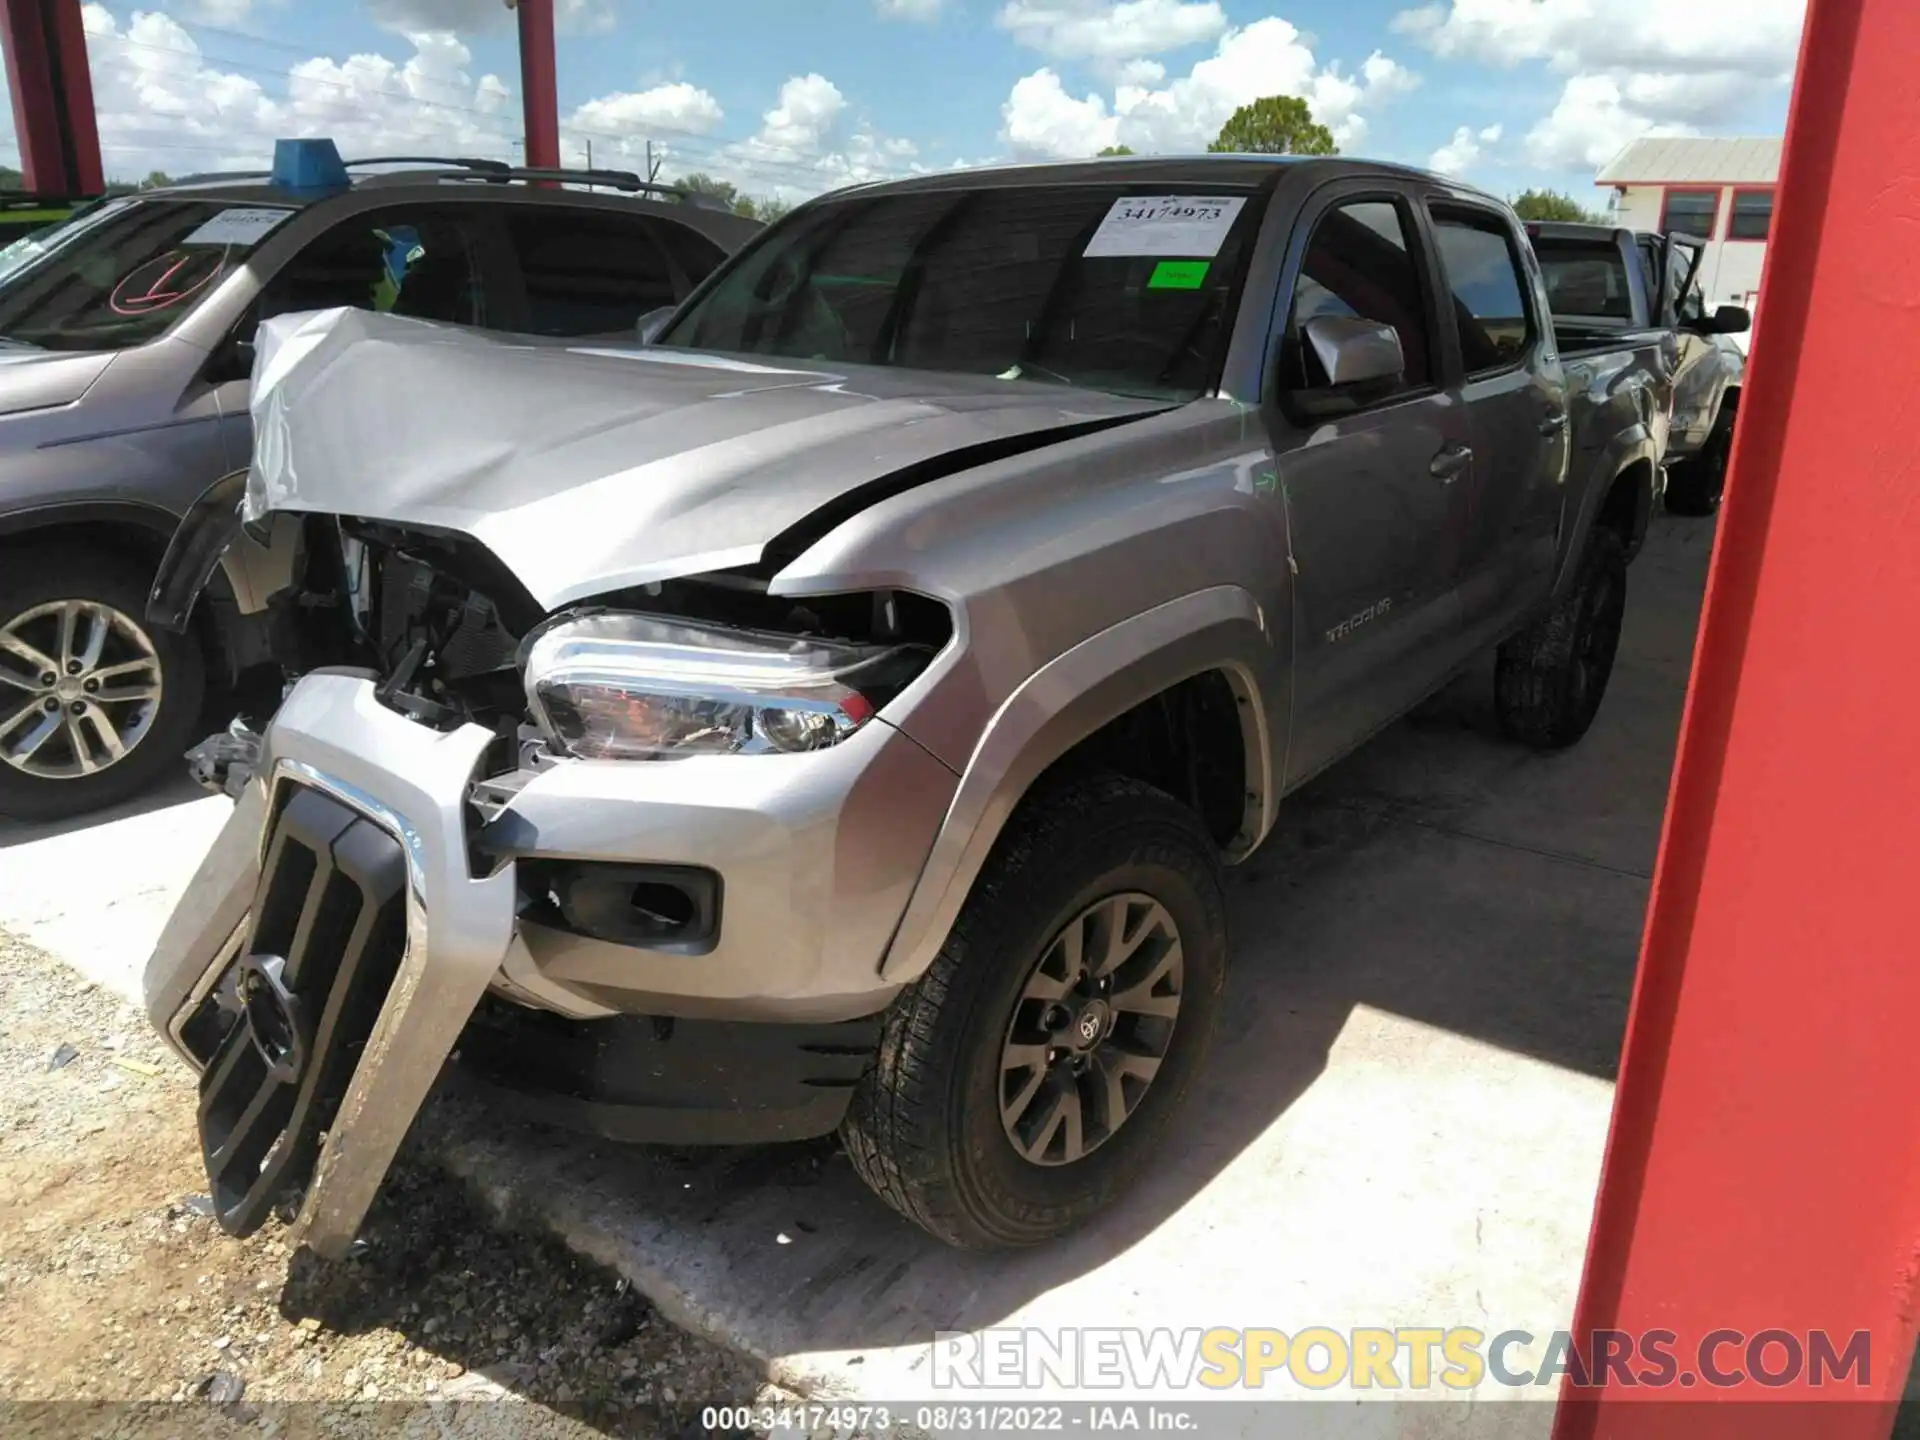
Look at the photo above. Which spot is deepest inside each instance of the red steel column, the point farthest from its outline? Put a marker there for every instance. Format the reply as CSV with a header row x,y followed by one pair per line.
x,y
539,89
1764,1165
52,91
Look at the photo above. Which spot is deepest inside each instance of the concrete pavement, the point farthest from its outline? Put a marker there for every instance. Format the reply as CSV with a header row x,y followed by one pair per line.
x,y
1401,1122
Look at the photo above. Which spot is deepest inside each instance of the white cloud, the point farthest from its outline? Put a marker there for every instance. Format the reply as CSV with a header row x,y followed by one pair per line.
x,y
473,17
1463,151
677,109
162,105
1591,123
1041,119
808,142
1109,34
908,9
219,12
1627,75
583,17
461,17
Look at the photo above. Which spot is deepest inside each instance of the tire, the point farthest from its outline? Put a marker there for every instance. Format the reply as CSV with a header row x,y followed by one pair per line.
x,y
925,1129
53,782
1549,679
1696,485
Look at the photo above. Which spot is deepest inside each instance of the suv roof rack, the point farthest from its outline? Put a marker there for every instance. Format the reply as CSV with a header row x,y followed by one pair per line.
x,y
495,172
457,161
625,180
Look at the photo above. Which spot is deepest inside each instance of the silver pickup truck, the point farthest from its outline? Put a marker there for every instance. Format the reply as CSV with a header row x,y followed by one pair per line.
x,y
837,714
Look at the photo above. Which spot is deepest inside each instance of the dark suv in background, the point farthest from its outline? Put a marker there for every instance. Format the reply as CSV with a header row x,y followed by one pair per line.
x,y
126,347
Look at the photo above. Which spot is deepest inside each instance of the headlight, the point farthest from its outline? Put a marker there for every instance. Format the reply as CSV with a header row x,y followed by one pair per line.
x,y
623,686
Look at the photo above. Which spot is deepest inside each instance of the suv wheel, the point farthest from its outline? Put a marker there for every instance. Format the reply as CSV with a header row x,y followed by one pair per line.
x,y
94,706
1028,1076
1549,679
1695,485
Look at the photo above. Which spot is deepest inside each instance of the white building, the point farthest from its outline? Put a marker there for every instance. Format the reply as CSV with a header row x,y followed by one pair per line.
x,y
1719,190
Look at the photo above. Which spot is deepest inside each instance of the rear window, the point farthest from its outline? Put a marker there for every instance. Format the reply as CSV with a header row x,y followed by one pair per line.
x,y
1586,280
592,274
1110,287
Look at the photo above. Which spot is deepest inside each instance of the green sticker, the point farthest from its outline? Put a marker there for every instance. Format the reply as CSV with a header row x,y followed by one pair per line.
x,y
1178,275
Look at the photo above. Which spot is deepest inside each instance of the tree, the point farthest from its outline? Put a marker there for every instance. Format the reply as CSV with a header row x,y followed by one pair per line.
x,y
729,194
707,185
1277,125
1115,150
1552,205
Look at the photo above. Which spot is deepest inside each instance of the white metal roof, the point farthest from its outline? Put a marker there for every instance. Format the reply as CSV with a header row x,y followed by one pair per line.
x,y
1739,160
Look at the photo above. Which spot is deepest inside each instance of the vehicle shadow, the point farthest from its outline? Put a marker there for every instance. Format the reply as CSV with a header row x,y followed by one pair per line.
x,y
177,790
1440,875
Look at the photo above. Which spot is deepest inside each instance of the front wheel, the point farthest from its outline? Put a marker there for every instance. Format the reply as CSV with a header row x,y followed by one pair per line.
x,y
1030,1074
1549,679
94,706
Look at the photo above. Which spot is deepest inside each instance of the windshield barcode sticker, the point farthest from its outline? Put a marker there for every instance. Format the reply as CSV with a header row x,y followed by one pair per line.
x,y
237,227
1189,226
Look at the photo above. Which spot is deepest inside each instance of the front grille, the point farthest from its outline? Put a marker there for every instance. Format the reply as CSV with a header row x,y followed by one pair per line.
x,y
328,930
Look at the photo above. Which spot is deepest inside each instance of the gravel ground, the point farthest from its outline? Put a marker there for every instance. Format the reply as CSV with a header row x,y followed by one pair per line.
x,y
116,1286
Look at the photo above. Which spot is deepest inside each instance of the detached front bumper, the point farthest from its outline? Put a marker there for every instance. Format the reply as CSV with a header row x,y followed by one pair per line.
x,y
354,913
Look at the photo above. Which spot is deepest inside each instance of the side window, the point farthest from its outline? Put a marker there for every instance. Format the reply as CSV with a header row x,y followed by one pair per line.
x,y
588,272
1359,264
1690,303
1487,285
697,256
413,262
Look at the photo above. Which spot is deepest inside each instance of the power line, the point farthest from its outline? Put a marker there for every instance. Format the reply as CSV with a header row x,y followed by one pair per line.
x,y
718,150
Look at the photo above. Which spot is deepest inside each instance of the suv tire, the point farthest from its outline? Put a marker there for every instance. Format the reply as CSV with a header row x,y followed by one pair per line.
x,y
1549,680
938,1125
107,595
1696,485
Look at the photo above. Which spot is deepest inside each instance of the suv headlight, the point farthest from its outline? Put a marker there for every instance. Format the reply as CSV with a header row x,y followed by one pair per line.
x,y
617,685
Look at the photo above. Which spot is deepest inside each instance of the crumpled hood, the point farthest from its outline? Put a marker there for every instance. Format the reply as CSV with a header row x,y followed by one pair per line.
x,y
41,379
587,469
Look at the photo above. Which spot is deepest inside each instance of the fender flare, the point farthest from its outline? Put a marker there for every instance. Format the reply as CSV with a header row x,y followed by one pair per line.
x,y
1066,700
1630,447
155,520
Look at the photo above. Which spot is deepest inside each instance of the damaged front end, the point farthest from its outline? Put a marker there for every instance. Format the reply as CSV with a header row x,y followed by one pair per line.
x,y
418,861
325,958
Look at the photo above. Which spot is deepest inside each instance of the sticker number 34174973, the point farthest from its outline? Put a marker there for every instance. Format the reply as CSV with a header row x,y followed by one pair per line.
x,y
1193,226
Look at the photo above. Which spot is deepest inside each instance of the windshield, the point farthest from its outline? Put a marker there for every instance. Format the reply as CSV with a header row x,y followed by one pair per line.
x,y
1125,288
121,274
1586,280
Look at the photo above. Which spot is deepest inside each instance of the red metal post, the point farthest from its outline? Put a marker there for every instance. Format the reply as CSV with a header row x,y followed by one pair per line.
x,y
52,90
1763,1171
539,89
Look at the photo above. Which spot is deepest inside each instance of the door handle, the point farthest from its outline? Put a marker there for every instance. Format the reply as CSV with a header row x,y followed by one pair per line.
x,y
1554,422
1449,463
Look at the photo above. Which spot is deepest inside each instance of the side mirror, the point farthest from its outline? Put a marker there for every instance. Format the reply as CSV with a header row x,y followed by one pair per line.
x,y
649,325
1361,360
1732,320
232,361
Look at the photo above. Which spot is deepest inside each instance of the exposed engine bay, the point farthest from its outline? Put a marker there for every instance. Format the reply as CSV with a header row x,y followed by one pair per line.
x,y
444,627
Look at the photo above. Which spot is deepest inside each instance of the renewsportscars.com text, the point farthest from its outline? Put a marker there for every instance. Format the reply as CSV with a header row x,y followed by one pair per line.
x,y
1399,1358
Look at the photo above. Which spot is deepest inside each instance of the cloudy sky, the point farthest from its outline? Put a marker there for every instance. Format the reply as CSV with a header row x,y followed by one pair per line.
x,y
790,97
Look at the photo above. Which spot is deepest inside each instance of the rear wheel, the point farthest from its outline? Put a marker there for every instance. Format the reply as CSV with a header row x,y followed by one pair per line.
x,y
1030,1074
1695,485
1549,679
94,706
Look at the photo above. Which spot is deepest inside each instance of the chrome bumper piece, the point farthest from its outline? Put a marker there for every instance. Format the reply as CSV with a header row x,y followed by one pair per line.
x,y
333,737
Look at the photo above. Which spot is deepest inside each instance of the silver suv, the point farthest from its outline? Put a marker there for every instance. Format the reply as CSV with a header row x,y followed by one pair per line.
x,y
125,347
